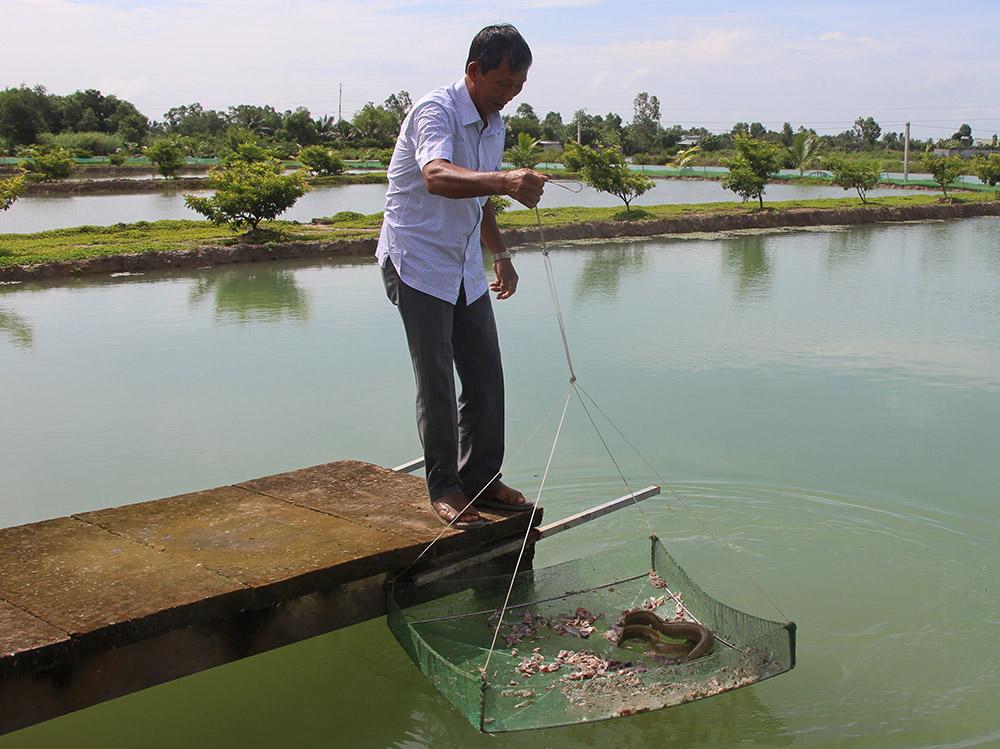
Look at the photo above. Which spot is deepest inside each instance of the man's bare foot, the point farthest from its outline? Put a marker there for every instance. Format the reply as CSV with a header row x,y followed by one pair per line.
x,y
447,508
502,497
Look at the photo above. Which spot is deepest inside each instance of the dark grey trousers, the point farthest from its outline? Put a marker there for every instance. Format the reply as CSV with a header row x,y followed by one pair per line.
x,y
463,440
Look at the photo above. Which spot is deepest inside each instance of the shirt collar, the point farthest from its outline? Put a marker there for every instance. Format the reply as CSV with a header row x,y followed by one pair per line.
x,y
467,112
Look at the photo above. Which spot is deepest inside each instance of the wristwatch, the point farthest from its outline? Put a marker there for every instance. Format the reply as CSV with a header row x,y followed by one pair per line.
x,y
505,255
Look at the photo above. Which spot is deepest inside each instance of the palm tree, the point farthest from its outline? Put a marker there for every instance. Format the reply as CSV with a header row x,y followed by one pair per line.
x,y
684,158
804,151
526,154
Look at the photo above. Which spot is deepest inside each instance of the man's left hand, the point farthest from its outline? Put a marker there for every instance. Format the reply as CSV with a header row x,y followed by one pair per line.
x,y
506,281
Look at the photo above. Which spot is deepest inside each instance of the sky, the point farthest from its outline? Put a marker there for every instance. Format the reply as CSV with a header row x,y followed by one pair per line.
x,y
710,63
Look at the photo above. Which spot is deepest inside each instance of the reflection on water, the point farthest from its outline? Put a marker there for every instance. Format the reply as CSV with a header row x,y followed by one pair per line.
x,y
603,269
16,328
822,405
260,295
746,260
38,213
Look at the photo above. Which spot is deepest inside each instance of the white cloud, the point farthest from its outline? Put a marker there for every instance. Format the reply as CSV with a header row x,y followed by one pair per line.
x,y
710,70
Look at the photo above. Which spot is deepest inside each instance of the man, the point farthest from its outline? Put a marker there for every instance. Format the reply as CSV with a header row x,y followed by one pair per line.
x,y
443,170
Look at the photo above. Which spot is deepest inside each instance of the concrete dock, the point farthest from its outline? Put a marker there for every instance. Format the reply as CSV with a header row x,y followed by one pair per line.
x,y
99,604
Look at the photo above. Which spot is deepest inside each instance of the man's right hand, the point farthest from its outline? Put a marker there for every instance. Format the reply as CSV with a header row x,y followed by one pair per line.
x,y
525,186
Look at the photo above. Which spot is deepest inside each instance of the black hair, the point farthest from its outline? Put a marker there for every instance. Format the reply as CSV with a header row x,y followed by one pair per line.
x,y
495,44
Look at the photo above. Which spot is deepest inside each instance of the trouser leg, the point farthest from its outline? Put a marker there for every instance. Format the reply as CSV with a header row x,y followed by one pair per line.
x,y
428,323
481,403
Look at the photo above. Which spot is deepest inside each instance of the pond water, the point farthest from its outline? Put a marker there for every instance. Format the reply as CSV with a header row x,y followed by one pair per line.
x,y
822,404
38,213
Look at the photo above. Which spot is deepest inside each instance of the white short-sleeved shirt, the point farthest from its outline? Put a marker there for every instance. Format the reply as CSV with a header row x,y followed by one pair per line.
x,y
433,241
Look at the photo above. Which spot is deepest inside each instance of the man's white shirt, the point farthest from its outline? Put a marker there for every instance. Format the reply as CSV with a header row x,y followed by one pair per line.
x,y
433,241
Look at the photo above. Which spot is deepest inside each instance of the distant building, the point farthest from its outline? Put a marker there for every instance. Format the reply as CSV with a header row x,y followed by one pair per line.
x,y
965,153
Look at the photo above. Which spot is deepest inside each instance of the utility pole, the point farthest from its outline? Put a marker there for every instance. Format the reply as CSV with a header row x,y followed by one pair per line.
x,y
906,155
340,104
579,140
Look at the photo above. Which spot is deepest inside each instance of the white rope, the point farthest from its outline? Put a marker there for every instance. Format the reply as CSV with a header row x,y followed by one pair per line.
x,y
485,486
524,543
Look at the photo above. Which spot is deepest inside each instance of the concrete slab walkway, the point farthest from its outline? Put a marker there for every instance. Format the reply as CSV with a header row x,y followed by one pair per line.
x,y
99,604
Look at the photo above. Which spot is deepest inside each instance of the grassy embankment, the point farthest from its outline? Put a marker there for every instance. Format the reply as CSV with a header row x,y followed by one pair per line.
x,y
170,236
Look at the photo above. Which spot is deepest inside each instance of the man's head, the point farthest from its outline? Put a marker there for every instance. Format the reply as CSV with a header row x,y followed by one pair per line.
x,y
497,67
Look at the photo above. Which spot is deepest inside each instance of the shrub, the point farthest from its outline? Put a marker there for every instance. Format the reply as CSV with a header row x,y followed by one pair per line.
x,y
526,154
85,144
248,152
987,168
321,160
861,175
500,204
343,216
755,164
10,190
167,154
45,164
248,193
944,169
604,169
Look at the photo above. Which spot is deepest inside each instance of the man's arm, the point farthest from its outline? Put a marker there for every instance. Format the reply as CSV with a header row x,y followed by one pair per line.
x,y
450,181
505,283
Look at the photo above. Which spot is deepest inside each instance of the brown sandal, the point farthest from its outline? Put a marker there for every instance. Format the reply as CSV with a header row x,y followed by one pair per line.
x,y
450,517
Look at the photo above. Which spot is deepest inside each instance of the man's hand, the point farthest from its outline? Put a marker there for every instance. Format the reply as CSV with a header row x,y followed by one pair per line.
x,y
525,186
505,283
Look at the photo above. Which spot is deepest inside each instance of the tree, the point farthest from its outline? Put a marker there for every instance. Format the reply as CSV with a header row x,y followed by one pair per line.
x,y
524,120
375,126
553,127
604,169
526,154
48,164
861,175
987,168
193,119
804,150
259,120
248,193
166,153
21,116
684,158
644,130
944,169
10,190
755,164
964,133
249,152
787,135
299,127
586,125
399,105
867,130
321,160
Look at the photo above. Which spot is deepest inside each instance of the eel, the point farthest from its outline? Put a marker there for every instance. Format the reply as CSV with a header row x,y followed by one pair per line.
x,y
644,625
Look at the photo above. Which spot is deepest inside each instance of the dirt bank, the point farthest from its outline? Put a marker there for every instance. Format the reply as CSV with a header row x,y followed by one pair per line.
x,y
707,222
121,185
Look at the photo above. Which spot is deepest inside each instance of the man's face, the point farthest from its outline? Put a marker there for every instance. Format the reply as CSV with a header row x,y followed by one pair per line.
x,y
491,91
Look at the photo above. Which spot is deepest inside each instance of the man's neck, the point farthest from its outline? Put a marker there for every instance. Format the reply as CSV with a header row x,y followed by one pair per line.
x,y
469,87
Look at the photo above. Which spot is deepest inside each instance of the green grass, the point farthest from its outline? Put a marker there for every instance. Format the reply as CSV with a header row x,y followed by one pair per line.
x,y
168,236
157,236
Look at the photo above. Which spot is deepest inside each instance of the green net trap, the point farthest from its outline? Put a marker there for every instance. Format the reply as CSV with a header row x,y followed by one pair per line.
x,y
559,658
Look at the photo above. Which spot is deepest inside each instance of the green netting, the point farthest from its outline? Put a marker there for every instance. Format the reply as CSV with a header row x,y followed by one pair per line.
x,y
556,664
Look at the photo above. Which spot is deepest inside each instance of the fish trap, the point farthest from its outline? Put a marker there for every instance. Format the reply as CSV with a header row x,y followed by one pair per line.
x,y
559,657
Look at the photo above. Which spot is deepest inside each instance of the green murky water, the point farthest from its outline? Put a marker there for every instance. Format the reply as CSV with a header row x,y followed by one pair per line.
x,y
823,404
